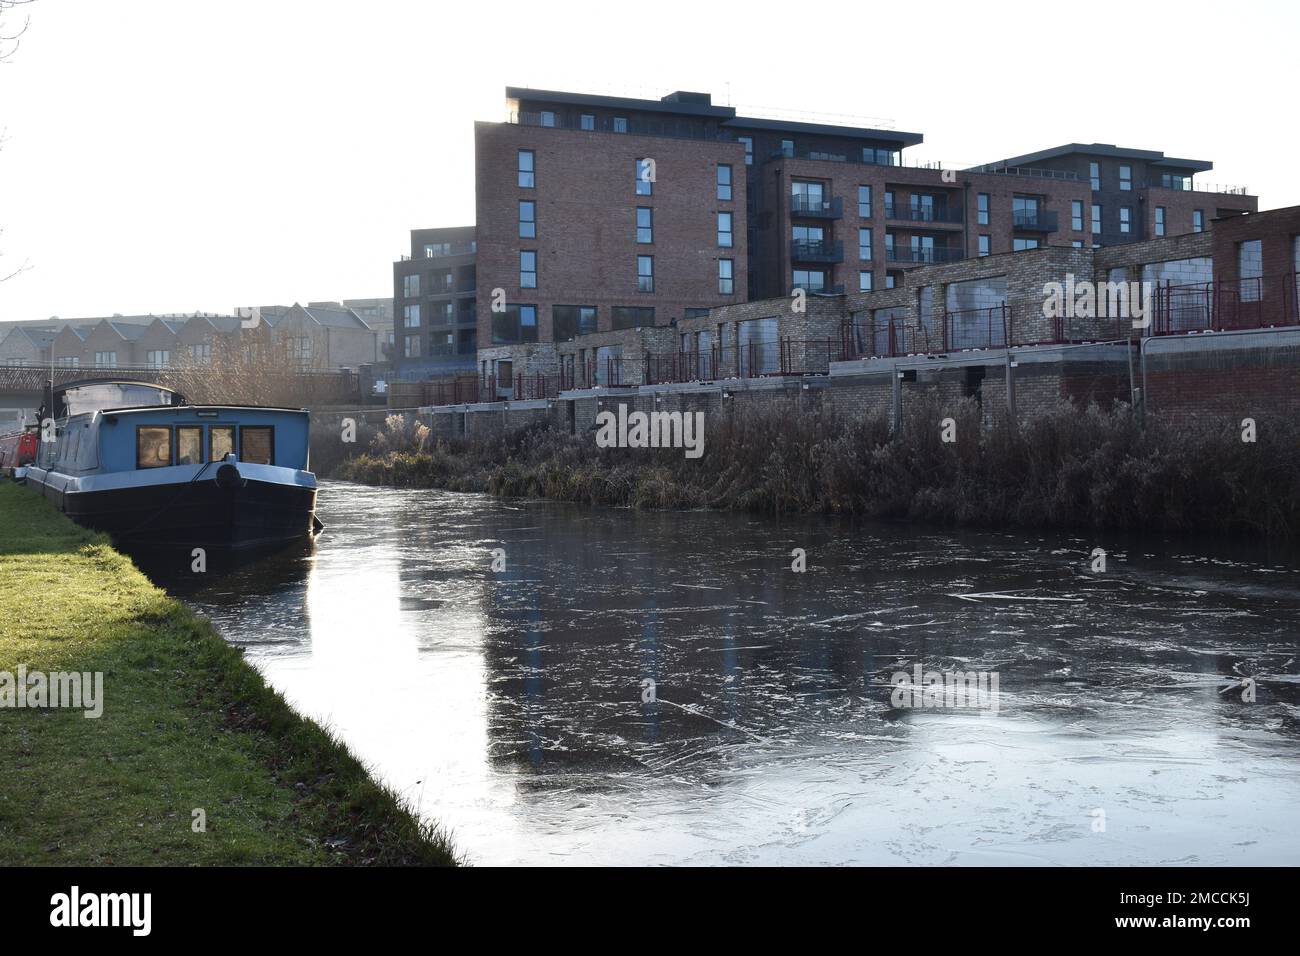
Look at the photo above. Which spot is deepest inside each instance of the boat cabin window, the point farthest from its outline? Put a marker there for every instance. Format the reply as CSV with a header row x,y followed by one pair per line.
x,y
189,445
257,444
153,446
221,441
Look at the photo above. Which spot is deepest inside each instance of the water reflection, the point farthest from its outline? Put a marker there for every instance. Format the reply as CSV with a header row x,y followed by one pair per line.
x,y
516,706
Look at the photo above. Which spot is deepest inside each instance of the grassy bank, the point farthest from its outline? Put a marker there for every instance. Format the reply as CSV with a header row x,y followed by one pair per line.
x,y
1066,468
186,724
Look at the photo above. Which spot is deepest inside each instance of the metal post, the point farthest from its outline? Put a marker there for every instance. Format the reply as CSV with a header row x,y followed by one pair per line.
x,y
896,404
1011,389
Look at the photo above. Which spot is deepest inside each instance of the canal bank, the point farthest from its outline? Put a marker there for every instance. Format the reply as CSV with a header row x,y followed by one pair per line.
x,y
1067,467
192,758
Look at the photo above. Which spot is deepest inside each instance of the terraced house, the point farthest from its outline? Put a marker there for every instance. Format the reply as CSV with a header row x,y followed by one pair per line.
x,y
606,224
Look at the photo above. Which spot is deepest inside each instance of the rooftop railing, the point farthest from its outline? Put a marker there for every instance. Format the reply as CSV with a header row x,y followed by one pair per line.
x,y
1031,172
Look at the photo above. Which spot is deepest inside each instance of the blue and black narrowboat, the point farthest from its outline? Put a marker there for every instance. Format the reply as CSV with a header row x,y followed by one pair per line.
x,y
135,461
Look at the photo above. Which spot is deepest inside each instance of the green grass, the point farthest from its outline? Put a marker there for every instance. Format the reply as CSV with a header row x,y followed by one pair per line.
x,y
187,724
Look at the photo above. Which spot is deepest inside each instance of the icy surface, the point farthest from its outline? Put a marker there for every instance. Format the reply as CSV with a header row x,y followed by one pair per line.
x,y
512,706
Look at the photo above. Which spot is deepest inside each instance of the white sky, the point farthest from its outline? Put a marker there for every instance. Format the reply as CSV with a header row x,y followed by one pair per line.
x,y
174,155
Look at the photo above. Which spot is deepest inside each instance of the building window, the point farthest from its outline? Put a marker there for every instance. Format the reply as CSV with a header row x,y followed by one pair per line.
x,y
1198,220
548,118
1094,174
1076,215
749,149
724,182
411,346
620,124
153,446
787,147
588,121
645,175
1076,244
157,358
813,280
982,209
1250,269
1019,245
724,230
726,277
1125,214
880,157
106,359
864,202
444,313
528,270
1160,220
527,219
526,178
985,245
568,321
411,286
631,316
864,245
645,273
1096,219
864,281
645,224
411,316
517,324
201,353
1125,178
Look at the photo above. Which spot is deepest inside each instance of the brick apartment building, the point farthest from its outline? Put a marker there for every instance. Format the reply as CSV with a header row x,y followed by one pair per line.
x,y
434,296
600,214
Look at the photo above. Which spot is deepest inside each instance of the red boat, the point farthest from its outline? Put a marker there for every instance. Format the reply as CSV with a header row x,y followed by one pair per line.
x,y
17,450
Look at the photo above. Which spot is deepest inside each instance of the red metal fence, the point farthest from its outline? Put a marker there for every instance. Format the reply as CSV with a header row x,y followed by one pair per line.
x,y
1225,304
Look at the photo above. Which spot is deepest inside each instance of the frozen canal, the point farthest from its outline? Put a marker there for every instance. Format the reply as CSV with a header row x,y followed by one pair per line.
x,y
515,706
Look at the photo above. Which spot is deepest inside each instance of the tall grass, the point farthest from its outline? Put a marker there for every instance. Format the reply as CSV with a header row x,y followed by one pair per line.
x,y
1066,467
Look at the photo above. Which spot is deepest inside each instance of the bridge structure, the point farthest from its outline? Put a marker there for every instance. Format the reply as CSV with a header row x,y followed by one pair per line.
x,y
23,387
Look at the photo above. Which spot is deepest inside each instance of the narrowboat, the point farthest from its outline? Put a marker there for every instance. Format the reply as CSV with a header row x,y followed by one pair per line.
x,y
17,451
135,461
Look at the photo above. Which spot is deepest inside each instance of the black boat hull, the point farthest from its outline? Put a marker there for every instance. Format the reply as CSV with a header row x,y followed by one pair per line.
x,y
196,514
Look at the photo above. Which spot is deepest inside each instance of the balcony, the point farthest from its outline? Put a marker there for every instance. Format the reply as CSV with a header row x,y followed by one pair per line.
x,y
943,215
813,208
1034,221
925,257
802,250
819,290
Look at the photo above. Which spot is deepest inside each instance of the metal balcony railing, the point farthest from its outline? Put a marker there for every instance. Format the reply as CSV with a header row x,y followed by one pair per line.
x,y
948,215
1036,221
925,256
816,208
1226,304
814,250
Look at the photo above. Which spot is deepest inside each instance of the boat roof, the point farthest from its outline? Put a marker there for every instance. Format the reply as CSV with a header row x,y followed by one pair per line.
x,y
178,408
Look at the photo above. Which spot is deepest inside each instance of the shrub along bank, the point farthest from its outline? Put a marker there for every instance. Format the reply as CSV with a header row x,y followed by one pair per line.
x,y
1069,467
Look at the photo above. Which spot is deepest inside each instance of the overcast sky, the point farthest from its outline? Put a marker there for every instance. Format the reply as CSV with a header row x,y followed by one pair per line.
x,y
174,155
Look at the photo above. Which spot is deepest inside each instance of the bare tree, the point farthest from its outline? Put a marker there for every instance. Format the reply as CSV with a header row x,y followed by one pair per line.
x,y
254,367
11,35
